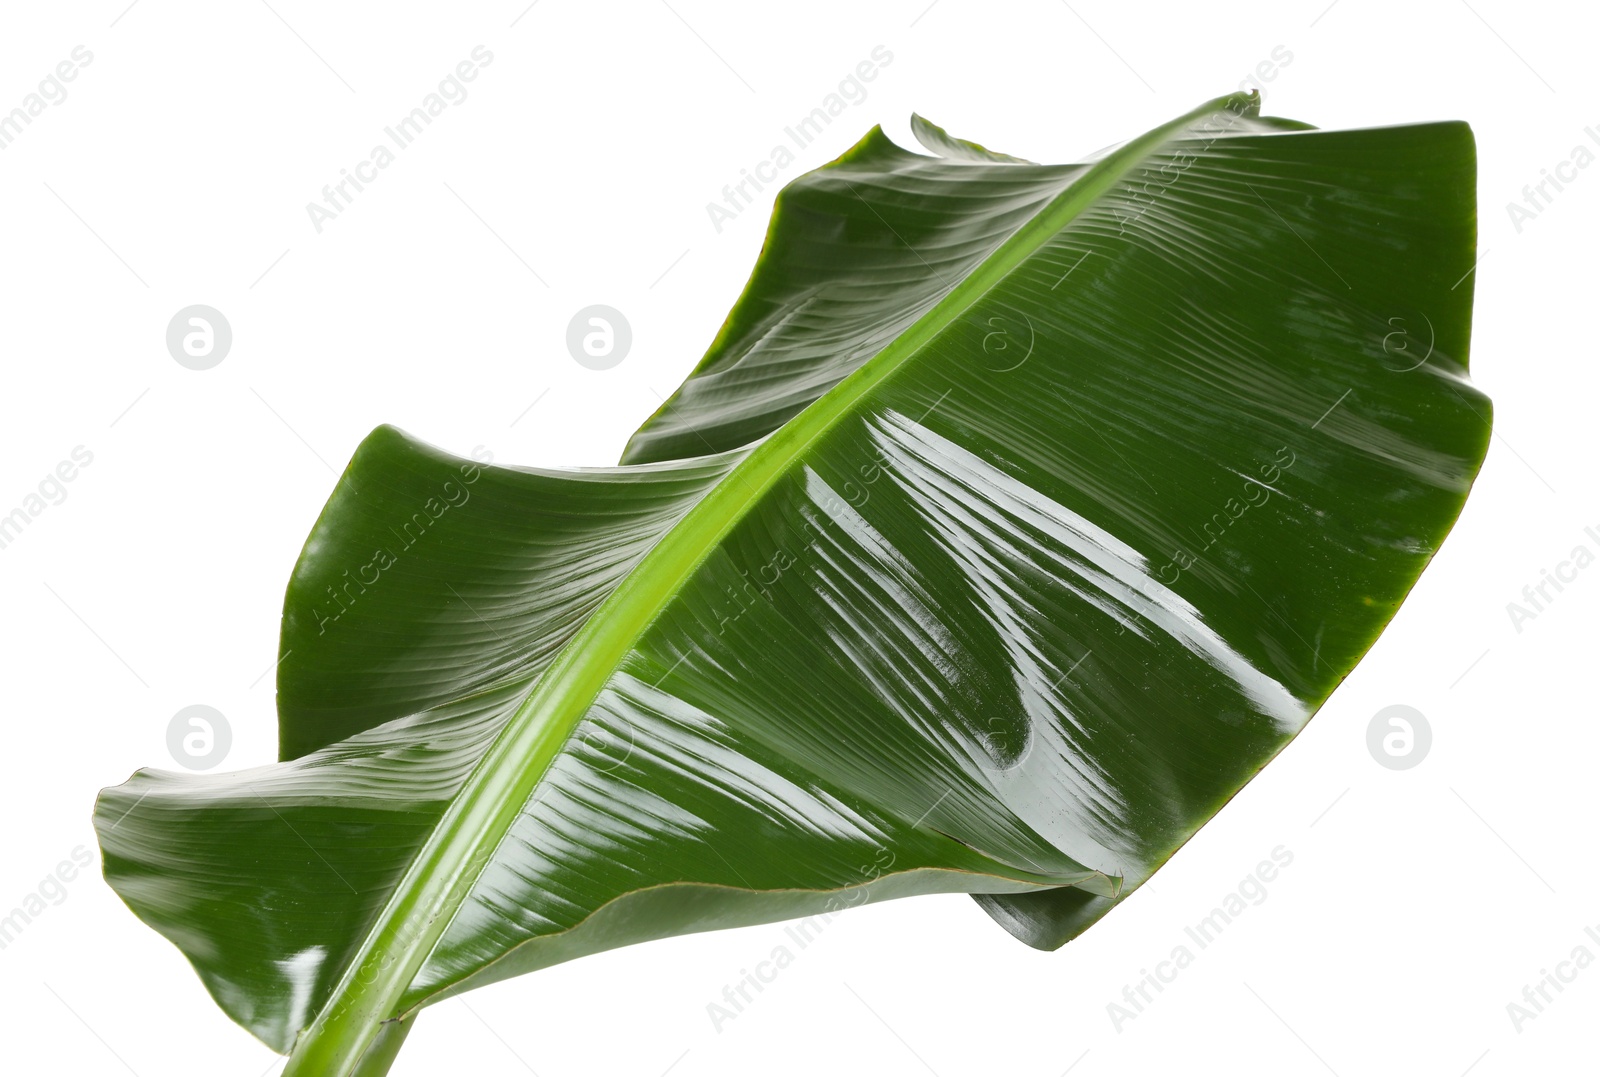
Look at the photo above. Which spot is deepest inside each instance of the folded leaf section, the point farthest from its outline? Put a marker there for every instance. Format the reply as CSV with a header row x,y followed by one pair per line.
x,y
855,253
1013,610
428,578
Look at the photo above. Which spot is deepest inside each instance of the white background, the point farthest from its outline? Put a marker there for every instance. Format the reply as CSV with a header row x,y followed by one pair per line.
x,y
1419,902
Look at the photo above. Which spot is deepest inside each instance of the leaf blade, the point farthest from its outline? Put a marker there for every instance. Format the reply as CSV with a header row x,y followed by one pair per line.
x,y
1003,542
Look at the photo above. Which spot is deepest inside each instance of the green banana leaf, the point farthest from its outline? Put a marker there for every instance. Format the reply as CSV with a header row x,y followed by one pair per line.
x,y
1015,518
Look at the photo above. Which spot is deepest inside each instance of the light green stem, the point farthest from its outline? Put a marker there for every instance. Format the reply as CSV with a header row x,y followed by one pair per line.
x,y
374,984
385,1047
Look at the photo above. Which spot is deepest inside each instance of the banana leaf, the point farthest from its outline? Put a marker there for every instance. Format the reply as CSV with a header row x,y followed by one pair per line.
x,y
1015,518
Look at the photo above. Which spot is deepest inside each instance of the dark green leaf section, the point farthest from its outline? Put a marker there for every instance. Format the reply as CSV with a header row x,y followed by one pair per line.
x,y
1285,428
1376,230
268,878
1082,488
428,578
855,253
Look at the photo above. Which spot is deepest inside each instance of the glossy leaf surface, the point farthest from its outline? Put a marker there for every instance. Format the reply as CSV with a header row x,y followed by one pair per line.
x,y
1016,517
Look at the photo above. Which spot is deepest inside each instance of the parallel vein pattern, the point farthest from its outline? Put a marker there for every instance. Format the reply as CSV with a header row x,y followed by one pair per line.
x,y
1017,516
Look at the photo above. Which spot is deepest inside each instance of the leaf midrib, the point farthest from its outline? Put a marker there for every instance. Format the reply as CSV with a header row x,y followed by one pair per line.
x,y
483,811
